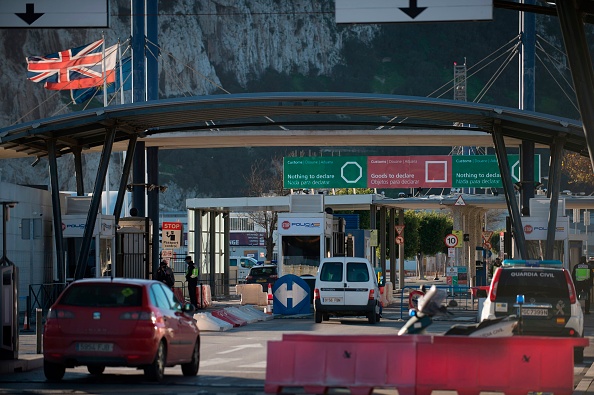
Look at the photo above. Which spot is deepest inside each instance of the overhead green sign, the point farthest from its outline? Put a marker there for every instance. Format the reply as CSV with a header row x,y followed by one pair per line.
x,y
482,171
325,172
425,171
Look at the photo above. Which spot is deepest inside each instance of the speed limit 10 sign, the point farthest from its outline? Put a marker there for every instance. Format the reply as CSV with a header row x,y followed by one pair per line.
x,y
451,240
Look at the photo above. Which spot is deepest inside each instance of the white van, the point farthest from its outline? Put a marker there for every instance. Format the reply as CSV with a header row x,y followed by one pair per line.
x,y
243,264
346,286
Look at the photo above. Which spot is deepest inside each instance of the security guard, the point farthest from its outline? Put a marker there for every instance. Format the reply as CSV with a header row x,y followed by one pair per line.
x,y
582,279
192,279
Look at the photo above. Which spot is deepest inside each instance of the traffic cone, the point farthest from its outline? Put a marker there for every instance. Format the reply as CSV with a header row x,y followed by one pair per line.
x,y
26,326
270,300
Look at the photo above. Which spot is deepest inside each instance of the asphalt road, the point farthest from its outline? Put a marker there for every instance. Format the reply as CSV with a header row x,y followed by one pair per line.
x,y
231,362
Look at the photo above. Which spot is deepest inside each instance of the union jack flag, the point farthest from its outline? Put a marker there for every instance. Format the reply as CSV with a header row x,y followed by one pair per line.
x,y
75,68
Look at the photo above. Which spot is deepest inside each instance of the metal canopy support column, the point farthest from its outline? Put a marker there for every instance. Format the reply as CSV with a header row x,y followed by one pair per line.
x,y
383,249
555,172
212,234
227,229
510,195
373,226
78,170
56,210
152,167
117,210
81,262
392,244
401,251
580,64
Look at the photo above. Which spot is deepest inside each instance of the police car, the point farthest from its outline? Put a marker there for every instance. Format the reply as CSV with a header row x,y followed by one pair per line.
x,y
551,306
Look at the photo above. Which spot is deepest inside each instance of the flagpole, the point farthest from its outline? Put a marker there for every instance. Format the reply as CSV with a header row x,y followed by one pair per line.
x,y
107,189
104,74
121,73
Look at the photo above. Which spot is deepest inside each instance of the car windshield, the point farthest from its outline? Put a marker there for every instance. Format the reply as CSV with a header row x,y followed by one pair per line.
x,y
533,283
102,295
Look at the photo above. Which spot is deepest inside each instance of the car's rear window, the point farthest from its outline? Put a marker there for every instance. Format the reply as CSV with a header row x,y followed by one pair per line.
x,y
532,283
263,271
357,272
331,271
102,295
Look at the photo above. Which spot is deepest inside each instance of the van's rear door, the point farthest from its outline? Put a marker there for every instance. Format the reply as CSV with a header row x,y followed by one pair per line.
x,y
358,283
331,283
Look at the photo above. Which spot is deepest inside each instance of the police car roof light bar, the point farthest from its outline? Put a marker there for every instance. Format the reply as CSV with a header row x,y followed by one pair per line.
x,y
532,263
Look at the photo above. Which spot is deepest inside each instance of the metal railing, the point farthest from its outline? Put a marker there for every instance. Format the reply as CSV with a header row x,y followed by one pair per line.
x,y
461,294
42,296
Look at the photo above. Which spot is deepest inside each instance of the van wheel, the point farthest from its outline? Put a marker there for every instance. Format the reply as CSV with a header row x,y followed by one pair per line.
x,y
318,316
372,317
53,371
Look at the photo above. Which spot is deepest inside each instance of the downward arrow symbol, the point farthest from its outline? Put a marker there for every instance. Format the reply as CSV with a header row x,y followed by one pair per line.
x,y
30,15
412,10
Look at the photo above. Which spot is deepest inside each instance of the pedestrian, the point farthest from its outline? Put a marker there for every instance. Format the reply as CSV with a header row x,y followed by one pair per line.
x,y
165,274
582,278
494,266
192,278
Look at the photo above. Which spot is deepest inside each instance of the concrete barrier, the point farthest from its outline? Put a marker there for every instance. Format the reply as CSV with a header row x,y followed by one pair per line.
x,y
241,314
252,294
230,318
418,365
258,313
208,323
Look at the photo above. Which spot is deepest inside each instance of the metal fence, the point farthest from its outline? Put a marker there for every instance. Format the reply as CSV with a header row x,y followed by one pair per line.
x,y
461,294
42,296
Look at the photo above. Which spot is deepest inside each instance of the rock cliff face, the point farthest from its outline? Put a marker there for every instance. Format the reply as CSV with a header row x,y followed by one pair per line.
x,y
236,46
199,41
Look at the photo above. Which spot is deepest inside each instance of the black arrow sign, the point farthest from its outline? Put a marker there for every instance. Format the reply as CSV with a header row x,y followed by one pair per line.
x,y
412,10
30,15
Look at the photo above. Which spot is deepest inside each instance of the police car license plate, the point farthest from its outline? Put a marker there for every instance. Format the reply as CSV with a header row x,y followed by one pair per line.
x,y
535,312
98,347
332,300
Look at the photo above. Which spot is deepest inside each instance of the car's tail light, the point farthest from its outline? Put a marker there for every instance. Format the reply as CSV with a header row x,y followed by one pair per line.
x,y
273,277
139,316
249,277
316,294
494,283
60,313
371,294
570,287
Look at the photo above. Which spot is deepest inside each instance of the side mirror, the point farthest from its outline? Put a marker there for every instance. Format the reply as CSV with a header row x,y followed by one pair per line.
x,y
189,308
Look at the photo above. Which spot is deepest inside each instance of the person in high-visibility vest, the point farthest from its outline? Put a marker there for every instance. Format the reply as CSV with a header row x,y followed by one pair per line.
x,y
192,278
582,278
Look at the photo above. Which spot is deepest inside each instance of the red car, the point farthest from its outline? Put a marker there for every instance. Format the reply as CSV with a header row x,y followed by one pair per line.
x,y
103,322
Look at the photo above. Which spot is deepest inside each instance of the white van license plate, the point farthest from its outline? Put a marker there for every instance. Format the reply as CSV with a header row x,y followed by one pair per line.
x,y
332,300
536,312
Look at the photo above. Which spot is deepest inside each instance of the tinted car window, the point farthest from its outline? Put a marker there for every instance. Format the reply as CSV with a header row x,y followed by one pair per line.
x,y
102,295
357,272
331,271
532,282
262,271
